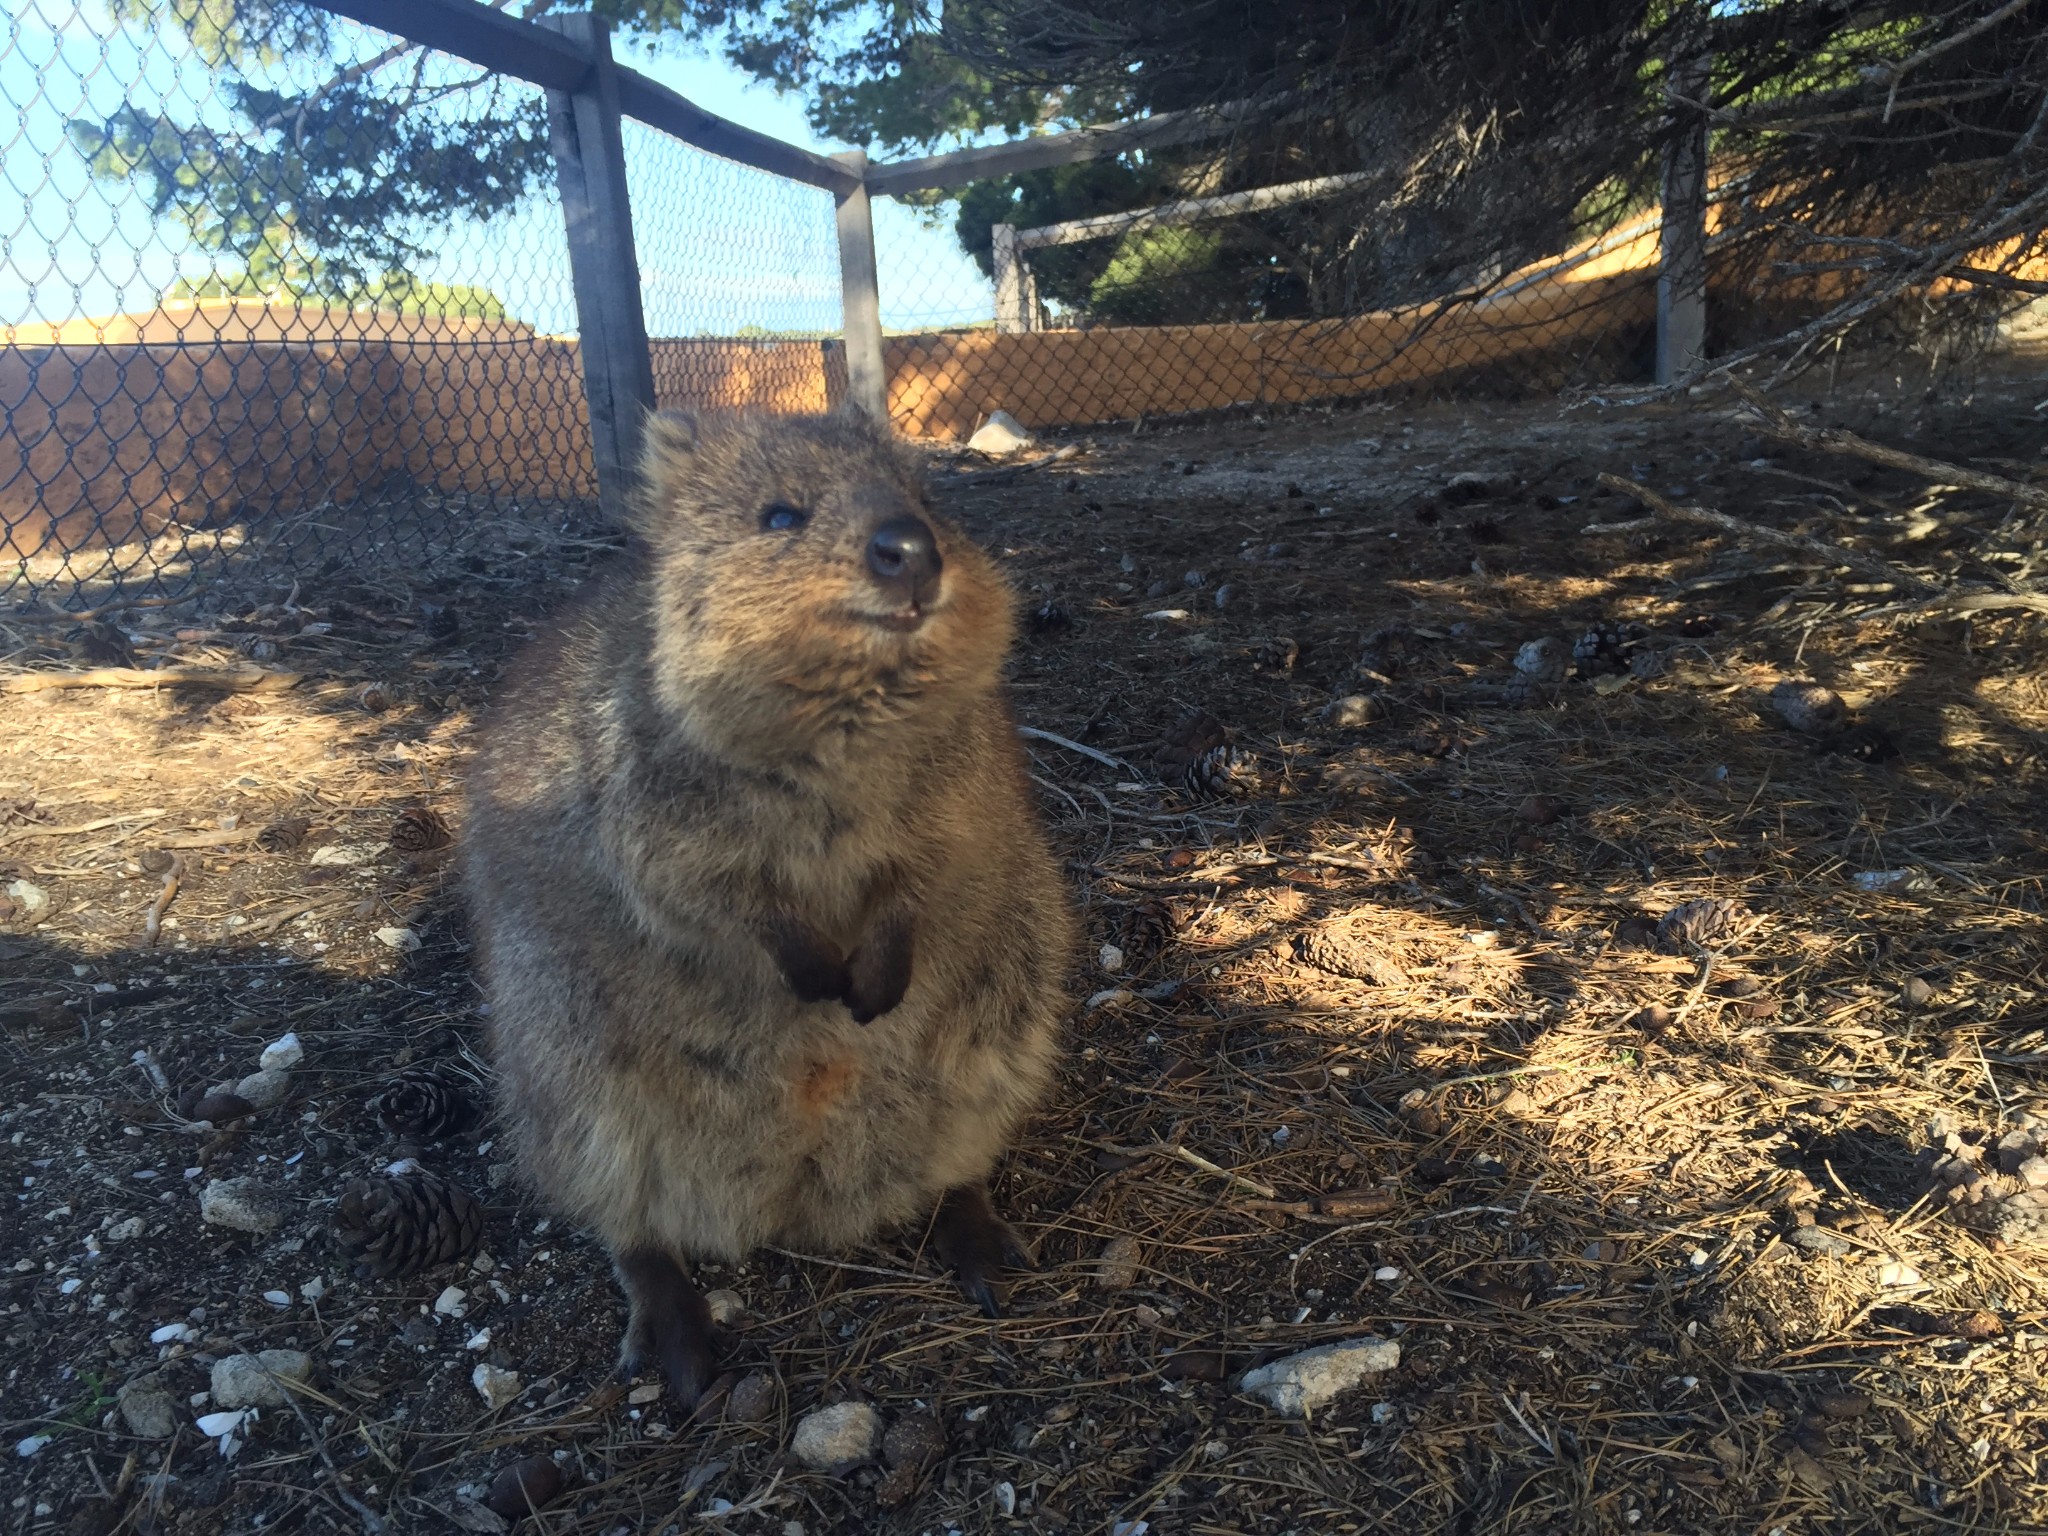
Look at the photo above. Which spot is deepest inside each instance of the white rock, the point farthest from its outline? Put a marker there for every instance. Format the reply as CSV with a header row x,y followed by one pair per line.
x,y
836,1438
403,939
1108,996
282,1054
647,1393
35,901
1386,1274
264,1090
213,1424
1349,712
494,1386
481,1339
1301,1384
1543,661
1002,433
241,1204
278,1298
1168,613
259,1380
1110,958
725,1307
313,1289
174,1333
2033,1173
345,855
122,1231
27,1448
1006,1499
1117,1269
449,1302
148,1409
1897,1275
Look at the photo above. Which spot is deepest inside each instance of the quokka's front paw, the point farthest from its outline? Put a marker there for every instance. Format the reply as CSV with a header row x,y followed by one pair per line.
x,y
976,1244
879,973
812,964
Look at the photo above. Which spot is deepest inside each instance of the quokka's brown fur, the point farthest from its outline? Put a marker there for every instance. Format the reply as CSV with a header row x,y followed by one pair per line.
x,y
745,772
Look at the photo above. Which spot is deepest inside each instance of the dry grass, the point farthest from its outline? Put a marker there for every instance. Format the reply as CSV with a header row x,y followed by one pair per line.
x,y
1570,1174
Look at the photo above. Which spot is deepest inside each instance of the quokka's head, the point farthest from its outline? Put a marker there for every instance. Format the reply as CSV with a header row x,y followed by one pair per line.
x,y
802,579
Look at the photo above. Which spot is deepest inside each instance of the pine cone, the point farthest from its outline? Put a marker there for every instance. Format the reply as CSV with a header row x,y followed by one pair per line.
x,y
1607,648
393,1226
1225,773
1192,735
422,1104
420,830
1330,949
1698,924
1145,932
283,836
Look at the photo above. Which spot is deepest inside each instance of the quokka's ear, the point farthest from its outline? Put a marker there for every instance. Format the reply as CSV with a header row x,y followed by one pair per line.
x,y
669,444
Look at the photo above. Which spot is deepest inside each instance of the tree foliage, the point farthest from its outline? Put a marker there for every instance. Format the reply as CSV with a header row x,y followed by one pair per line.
x,y
1879,139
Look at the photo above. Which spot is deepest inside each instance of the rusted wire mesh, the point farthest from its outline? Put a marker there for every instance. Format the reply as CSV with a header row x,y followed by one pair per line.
x,y
216,344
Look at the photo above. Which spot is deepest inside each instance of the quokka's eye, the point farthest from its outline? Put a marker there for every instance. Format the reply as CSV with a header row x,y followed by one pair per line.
x,y
781,517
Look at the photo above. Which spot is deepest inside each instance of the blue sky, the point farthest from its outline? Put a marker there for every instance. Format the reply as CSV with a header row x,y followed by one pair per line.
x,y
720,246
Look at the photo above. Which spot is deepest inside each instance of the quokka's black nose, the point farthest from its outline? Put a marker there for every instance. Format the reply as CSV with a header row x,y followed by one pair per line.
x,y
904,555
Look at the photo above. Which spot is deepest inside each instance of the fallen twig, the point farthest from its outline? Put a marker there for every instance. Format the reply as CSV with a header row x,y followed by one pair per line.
x,y
236,680
1774,419
1032,733
1197,1161
1833,554
153,919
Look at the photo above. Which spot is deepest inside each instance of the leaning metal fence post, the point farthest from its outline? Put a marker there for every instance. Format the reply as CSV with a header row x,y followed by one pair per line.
x,y
590,168
867,378
1682,240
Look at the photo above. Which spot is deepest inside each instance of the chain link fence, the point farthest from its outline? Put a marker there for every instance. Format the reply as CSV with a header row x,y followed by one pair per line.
x,y
224,335
304,303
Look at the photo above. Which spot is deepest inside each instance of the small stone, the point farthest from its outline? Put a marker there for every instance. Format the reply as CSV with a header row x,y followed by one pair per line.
x,y
752,1398
1809,707
725,1307
1916,993
1195,1365
1470,485
1006,1499
1193,579
837,1438
1110,958
1117,1269
526,1484
646,1392
30,897
1541,810
1819,1240
259,1380
1844,1405
125,1231
1544,661
1897,1275
219,1108
278,1299
282,1054
213,1425
1300,1385
494,1386
1386,1274
148,1409
915,1440
450,1302
402,939
2034,1172
264,1090
1350,712
1001,434
243,1205
1226,595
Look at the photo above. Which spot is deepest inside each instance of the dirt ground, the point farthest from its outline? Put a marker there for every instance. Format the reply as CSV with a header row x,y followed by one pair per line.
x,y
1661,1223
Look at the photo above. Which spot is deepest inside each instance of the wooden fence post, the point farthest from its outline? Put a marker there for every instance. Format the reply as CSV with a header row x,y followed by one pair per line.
x,y
860,297
1682,239
590,168
1013,288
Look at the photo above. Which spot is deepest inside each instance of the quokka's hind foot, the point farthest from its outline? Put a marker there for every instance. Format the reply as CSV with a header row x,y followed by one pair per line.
x,y
975,1243
669,1326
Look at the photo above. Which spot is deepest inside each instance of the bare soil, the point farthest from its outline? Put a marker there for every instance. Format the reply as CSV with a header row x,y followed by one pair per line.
x,y
1392,1049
